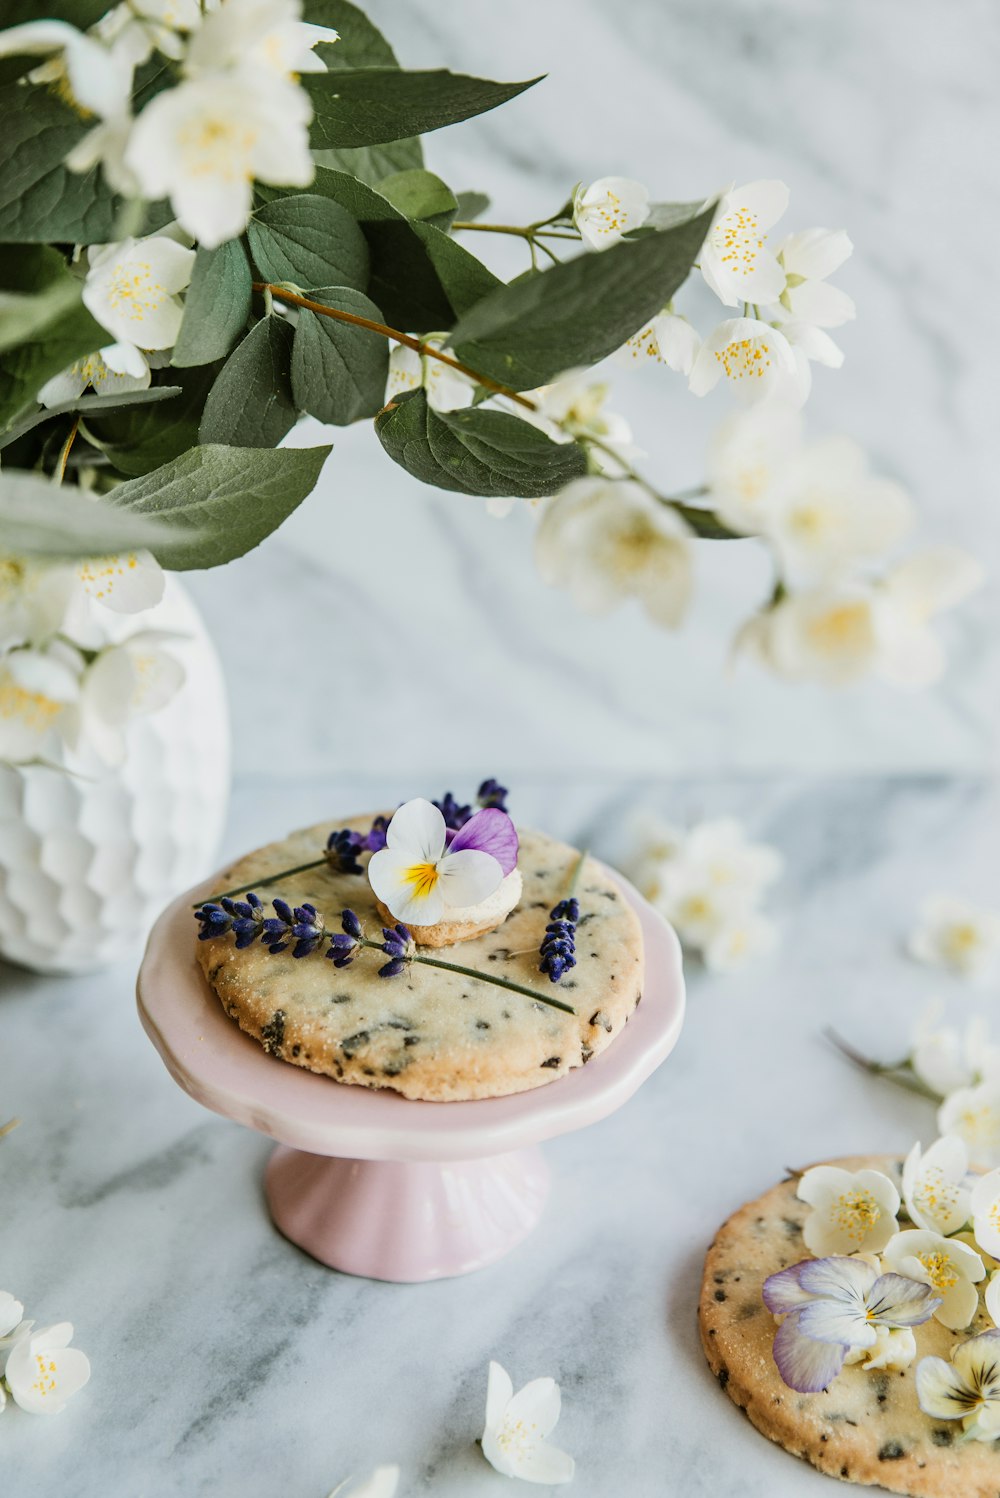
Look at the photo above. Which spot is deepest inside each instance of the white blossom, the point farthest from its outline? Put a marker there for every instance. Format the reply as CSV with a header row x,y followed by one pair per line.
x,y
668,339
265,34
447,389
517,1426
946,1058
750,461
958,934
204,142
98,78
34,597
852,1211
973,1115
894,1349
735,259
609,540
948,1265
97,372
38,691
934,1186
754,356
807,259
132,290
43,1371
608,209
967,1388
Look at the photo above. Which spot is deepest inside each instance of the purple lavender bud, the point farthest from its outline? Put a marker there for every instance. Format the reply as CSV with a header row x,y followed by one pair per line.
x,y
342,848
492,794
558,947
284,911
351,924
455,815
566,910
392,969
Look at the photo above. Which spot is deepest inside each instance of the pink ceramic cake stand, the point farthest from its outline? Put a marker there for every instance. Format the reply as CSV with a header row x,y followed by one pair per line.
x,y
370,1182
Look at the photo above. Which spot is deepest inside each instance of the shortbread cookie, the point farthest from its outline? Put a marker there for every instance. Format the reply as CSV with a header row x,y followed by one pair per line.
x,y
429,1033
867,1427
468,921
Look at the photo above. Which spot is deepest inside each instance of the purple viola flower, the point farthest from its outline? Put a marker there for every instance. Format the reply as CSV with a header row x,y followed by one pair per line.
x,y
833,1305
455,814
490,831
398,947
492,794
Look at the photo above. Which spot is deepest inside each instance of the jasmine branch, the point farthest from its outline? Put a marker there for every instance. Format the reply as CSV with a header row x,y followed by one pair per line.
x,y
899,1072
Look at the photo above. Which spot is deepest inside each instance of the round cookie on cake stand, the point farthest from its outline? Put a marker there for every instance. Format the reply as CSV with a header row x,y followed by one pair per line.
x,y
373,1183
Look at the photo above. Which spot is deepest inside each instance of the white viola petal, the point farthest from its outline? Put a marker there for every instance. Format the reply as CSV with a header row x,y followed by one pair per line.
x,y
838,1277
468,877
538,1405
419,827
410,889
833,1321
499,1392
805,1364
896,1300
941,1392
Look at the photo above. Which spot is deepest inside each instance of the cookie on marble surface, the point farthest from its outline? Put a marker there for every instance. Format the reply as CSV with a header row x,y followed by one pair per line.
x,y
867,1427
427,1033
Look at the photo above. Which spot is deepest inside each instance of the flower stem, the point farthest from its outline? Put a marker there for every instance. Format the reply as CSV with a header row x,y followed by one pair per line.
x,y
426,350
575,876
899,1072
471,972
64,451
672,501
227,894
11,1123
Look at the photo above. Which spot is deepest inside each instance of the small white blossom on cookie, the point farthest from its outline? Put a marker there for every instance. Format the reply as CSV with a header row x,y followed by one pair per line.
x,y
949,1266
853,1211
985,1208
934,1188
517,1426
894,1349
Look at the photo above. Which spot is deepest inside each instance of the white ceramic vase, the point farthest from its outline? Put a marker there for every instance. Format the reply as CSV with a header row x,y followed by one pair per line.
x,y
87,862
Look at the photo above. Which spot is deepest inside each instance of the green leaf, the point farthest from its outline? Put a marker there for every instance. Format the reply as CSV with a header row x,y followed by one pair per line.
x,y
422,279
471,205
339,371
79,13
40,198
666,215
368,106
25,369
37,288
250,404
37,519
706,524
87,405
419,194
578,312
476,451
361,44
220,502
216,305
310,241
372,163
140,438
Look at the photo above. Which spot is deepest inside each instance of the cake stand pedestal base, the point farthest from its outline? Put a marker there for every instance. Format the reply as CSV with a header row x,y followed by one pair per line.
x,y
412,1221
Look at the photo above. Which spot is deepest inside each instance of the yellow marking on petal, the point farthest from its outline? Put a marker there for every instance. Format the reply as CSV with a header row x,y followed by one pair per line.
x,y
422,878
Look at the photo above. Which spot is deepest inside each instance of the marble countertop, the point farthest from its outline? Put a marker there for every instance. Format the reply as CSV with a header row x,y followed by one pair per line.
x,y
227,1363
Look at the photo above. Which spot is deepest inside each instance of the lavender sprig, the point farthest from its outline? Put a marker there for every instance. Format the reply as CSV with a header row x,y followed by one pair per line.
x,y
558,948
455,814
492,794
304,926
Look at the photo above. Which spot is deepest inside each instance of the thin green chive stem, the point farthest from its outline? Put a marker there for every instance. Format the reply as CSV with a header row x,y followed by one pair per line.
x,y
11,1123
898,1072
471,972
575,876
262,879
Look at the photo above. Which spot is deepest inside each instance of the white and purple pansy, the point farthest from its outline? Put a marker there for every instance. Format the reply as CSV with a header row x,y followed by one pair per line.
x,y
427,869
832,1306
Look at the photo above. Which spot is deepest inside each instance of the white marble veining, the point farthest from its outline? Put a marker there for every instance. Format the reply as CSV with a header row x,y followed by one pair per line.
x,y
426,628
229,1365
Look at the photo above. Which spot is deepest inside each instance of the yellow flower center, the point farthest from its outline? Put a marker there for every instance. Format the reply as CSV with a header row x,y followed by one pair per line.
x,y
609,214
961,939
746,358
34,710
934,1196
133,291
847,627
423,878
738,238
517,1436
99,574
940,1270
856,1213
46,1378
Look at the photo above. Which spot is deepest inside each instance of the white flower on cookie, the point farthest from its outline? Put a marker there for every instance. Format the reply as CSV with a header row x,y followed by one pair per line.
x,y
424,871
985,1210
517,1426
852,1211
934,1186
949,1266
894,1349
